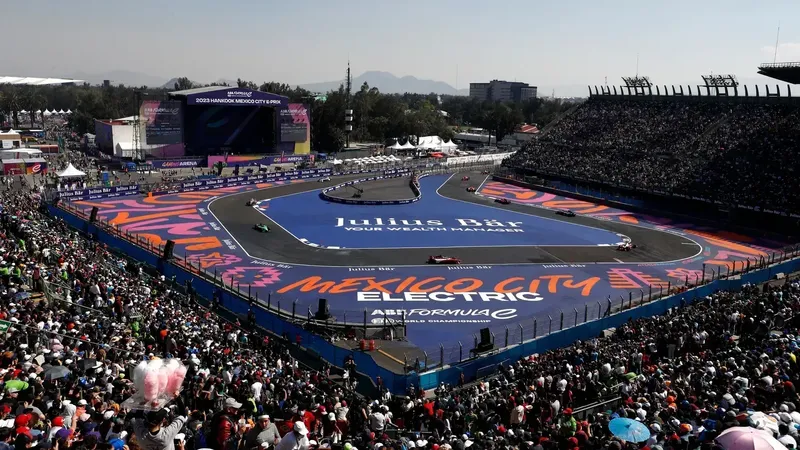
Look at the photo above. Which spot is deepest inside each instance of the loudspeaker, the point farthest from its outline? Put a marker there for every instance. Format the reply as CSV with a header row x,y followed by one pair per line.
x,y
93,215
486,337
168,248
323,312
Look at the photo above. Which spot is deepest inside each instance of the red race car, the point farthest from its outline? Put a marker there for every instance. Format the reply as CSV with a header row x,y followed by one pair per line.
x,y
471,189
464,178
439,259
502,201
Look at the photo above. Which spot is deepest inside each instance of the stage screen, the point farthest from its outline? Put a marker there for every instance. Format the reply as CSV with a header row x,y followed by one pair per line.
x,y
294,123
163,121
243,129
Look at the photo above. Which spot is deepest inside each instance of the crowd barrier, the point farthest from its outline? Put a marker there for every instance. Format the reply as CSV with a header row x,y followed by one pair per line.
x,y
397,383
217,183
238,303
98,193
395,174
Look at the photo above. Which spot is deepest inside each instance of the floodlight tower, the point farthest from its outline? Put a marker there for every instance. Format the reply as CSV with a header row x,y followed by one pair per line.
x,y
348,112
638,85
721,84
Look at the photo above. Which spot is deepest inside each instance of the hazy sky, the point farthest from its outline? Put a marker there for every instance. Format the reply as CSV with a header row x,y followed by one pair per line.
x,y
554,43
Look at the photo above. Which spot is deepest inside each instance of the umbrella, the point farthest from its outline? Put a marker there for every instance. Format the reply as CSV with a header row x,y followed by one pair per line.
x,y
629,430
56,372
746,438
88,363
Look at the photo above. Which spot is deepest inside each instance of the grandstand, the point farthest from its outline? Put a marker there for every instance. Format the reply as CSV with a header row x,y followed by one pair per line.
x,y
734,151
784,71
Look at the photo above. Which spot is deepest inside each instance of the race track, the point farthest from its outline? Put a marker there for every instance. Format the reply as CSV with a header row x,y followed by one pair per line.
x,y
654,246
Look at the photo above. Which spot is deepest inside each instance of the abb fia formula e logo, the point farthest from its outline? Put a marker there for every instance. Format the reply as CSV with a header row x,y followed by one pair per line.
x,y
240,94
36,168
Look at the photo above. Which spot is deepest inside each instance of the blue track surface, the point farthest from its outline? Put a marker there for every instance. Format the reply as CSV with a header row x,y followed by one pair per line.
x,y
434,221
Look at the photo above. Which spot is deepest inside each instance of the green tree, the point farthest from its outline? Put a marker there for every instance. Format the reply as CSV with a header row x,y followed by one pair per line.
x,y
183,83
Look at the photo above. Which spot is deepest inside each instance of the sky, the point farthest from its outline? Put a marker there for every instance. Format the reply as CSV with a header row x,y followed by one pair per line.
x,y
557,43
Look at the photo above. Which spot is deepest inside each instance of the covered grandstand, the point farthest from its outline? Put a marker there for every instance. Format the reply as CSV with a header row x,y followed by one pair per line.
x,y
37,81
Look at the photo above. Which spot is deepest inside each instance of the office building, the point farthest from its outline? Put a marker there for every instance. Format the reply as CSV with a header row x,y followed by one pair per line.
x,y
502,91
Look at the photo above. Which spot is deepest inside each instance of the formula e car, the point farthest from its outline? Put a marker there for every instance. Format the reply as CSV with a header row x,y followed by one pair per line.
x,y
502,201
321,180
464,178
251,202
439,259
485,172
626,247
471,189
565,213
261,228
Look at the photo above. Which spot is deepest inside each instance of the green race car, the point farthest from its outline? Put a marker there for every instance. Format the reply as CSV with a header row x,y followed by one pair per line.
x,y
261,228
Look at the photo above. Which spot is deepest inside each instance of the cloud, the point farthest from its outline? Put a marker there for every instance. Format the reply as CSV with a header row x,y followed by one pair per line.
x,y
787,52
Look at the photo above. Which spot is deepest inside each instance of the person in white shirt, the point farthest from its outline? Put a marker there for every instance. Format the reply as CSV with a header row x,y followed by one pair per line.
x,y
296,440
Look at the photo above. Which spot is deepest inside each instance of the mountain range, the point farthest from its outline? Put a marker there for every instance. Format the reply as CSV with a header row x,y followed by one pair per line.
x,y
390,84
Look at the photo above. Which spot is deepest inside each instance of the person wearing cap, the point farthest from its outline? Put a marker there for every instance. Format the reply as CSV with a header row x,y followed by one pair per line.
x,y
297,439
265,432
567,424
223,425
150,433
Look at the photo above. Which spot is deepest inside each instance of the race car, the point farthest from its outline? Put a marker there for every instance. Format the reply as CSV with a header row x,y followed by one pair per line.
x,y
485,172
626,247
439,259
324,179
502,201
251,202
464,178
471,189
261,228
565,213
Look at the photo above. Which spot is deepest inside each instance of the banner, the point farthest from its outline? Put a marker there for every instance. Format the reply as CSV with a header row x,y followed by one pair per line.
x,y
175,163
236,97
163,121
217,183
98,193
294,123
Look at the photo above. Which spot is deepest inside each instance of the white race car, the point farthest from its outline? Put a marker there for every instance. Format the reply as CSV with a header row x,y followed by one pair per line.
x,y
324,179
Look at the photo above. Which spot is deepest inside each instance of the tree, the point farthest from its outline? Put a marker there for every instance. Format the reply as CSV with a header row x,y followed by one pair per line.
x,y
183,83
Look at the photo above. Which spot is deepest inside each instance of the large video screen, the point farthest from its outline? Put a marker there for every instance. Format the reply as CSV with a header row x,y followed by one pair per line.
x,y
163,121
294,123
241,128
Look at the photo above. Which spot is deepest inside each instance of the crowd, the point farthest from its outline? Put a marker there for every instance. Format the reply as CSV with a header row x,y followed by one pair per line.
x,y
729,359
733,153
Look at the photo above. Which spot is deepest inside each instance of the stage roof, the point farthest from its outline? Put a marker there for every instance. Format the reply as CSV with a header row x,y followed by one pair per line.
x,y
33,81
230,96
788,72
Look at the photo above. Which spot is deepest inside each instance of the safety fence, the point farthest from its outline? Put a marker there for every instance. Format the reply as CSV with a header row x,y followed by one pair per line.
x,y
282,316
287,318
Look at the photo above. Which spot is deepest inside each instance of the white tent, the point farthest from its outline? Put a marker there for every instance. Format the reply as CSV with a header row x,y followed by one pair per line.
x,y
47,112
449,145
396,146
38,111
71,172
61,111
69,111
408,146
23,112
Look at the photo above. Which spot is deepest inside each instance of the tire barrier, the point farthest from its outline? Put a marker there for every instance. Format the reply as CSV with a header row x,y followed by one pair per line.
x,y
397,174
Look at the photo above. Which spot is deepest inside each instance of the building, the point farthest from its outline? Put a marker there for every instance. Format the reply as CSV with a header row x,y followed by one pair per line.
x,y
35,81
502,91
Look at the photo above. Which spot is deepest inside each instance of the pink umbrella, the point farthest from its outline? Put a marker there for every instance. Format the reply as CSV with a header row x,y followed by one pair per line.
x,y
746,438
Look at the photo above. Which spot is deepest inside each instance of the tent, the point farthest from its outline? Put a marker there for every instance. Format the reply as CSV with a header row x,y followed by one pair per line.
x,y
61,111
408,146
396,146
71,172
449,145
47,112
69,111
